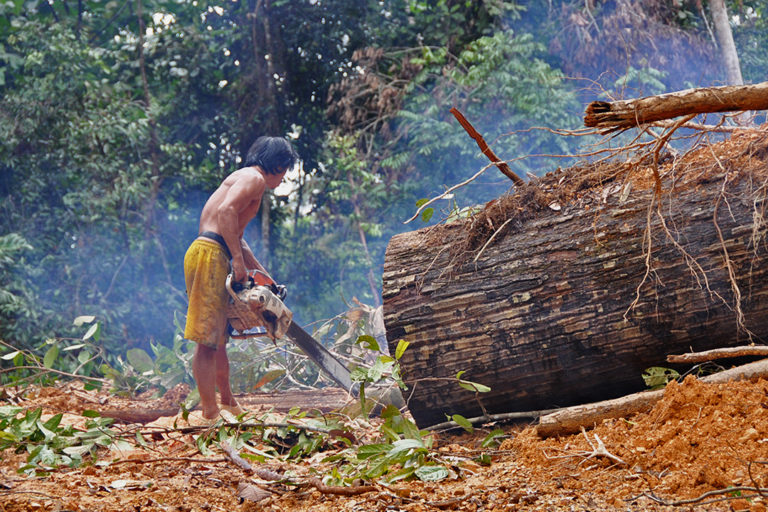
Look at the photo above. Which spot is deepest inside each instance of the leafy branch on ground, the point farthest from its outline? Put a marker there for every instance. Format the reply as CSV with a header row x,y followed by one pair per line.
x,y
390,448
48,443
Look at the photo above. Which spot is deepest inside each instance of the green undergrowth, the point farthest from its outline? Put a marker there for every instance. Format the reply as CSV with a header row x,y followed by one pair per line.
x,y
352,445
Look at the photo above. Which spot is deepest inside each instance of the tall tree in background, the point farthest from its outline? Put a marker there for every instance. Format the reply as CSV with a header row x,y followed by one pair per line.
x,y
724,35
117,119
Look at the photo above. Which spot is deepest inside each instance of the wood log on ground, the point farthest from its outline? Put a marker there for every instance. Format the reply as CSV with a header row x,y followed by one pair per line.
x,y
718,353
542,314
624,114
571,419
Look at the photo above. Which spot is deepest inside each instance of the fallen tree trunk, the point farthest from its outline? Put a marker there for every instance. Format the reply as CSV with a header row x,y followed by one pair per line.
x,y
625,114
544,315
571,419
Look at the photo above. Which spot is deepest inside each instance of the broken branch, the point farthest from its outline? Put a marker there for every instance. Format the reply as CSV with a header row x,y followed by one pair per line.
x,y
266,474
718,353
487,151
625,114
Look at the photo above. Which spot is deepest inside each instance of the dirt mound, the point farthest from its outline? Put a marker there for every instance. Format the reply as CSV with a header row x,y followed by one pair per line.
x,y
699,438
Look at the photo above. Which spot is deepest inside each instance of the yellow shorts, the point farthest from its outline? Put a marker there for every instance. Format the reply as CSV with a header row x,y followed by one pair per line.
x,y
205,271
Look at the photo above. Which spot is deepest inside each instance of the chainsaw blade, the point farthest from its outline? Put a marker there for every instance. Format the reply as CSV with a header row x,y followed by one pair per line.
x,y
322,357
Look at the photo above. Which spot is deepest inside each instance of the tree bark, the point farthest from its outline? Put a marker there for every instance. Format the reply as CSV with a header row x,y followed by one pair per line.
x,y
570,420
625,114
725,41
543,316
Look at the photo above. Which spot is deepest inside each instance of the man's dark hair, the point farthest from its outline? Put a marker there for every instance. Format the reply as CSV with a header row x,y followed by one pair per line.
x,y
272,154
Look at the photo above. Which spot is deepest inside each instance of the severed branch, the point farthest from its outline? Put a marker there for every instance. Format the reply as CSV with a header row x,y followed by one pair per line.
x,y
503,167
718,353
572,419
339,490
734,491
266,474
598,450
507,416
624,114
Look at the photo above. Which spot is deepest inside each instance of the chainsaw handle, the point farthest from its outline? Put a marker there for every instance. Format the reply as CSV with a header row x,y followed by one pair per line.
x,y
260,277
230,284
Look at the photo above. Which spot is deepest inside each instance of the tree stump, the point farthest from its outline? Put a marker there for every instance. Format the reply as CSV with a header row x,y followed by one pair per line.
x,y
545,315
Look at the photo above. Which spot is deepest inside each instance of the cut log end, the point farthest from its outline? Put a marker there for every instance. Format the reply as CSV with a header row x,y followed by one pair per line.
x,y
625,114
594,111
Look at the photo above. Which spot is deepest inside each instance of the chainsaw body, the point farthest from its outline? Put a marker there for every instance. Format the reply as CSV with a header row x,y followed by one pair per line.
x,y
257,305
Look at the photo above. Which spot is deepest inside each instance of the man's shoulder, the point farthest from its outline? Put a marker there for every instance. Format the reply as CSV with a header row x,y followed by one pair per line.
x,y
247,175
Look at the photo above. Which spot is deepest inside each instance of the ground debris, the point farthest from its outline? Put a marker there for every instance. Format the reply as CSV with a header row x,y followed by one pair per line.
x,y
699,439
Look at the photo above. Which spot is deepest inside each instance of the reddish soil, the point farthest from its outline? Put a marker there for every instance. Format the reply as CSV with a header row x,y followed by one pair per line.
x,y
698,439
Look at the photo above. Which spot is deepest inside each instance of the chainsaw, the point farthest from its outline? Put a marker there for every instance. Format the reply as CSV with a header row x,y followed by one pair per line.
x,y
254,305
259,303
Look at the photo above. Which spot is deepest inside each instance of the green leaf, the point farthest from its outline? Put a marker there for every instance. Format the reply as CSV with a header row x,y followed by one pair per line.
x,y
463,422
371,450
401,474
426,214
85,319
474,386
9,411
79,450
471,386
140,360
11,355
88,413
53,422
406,444
390,411
484,459
432,473
83,358
493,438
368,342
657,377
400,350
93,331
50,356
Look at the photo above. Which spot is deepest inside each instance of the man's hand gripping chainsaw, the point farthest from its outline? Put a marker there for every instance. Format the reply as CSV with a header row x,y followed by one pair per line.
x,y
258,303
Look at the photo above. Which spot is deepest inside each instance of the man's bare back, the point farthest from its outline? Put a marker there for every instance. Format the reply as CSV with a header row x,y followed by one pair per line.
x,y
232,206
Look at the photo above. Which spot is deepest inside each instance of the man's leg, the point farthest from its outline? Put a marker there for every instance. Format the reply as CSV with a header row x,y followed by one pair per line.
x,y
204,367
222,377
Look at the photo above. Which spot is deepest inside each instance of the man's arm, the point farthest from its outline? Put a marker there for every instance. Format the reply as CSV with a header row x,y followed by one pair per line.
x,y
250,259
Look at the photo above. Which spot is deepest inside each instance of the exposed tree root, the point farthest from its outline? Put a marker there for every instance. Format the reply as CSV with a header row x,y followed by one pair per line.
x,y
598,450
702,500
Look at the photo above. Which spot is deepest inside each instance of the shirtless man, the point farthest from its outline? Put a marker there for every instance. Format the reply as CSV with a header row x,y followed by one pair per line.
x,y
219,249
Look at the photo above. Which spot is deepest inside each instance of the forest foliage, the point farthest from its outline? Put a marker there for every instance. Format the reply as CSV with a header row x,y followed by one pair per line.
x,y
118,118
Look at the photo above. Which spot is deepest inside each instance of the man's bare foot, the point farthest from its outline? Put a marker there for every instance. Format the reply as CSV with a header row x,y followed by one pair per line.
x,y
234,409
197,419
